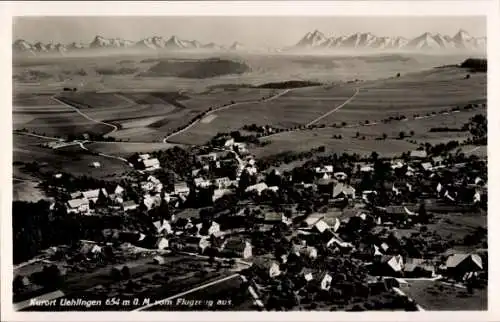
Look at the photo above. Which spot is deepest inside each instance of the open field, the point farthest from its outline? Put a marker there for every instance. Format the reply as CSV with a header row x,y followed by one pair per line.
x,y
436,296
27,190
75,160
289,110
418,93
305,141
125,149
372,134
453,226
54,120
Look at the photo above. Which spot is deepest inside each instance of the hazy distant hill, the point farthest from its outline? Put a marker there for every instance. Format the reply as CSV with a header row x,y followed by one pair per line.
x,y
204,68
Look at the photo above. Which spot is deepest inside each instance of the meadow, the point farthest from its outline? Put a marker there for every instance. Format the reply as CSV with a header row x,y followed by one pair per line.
x,y
72,160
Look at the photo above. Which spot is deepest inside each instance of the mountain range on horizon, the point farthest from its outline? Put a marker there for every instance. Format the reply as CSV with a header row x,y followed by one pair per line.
x,y
462,40
311,41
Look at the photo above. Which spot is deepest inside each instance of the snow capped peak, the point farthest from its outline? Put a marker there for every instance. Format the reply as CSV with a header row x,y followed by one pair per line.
x,y
21,45
425,41
175,42
312,39
462,35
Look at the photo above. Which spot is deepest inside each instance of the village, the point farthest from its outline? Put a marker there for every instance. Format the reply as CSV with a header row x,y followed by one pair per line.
x,y
335,233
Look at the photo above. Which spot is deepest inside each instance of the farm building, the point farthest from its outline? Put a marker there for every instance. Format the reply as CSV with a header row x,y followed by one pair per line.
x,y
324,169
415,267
457,265
80,205
258,188
201,183
229,143
119,190
95,164
161,243
129,205
341,190
325,281
309,252
151,201
76,195
93,195
163,226
151,164
218,193
268,267
207,157
181,188
307,273
237,247
418,154
207,229
388,265
427,166
223,182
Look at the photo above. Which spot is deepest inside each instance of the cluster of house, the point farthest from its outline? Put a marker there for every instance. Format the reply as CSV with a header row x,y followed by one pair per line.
x,y
146,163
82,202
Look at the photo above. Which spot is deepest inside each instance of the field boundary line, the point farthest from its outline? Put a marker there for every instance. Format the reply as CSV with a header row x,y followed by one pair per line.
x,y
335,109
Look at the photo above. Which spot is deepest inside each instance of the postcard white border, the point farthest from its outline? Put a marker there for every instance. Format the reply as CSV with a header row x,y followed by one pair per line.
x,y
489,8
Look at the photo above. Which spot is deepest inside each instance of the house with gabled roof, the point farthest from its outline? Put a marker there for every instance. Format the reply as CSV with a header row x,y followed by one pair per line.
x,y
458,264
257,188
237,247
417,267
341,190
80,205
129,205
418,154
307,273
119,190
267,266
389,265
76,195
325,281
163,226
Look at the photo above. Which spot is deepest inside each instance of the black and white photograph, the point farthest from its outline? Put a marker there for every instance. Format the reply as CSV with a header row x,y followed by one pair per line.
x,y
249,163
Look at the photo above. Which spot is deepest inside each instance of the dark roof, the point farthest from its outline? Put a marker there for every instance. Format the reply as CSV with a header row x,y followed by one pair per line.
x,y
235,244
272,216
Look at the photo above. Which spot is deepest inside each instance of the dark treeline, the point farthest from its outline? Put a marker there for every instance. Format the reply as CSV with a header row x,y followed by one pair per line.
x,y
475,64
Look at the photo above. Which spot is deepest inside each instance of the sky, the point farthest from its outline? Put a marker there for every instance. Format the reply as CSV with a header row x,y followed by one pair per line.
x,y
251,31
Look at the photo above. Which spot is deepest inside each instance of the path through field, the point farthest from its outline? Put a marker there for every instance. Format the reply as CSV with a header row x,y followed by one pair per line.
x,y
79,143
225,108
335,109
114,127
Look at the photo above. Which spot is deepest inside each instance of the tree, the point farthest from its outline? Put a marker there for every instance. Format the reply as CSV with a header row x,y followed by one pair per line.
x,y
126,272
402,135
116,274
384,136
412,133
374,156
17,284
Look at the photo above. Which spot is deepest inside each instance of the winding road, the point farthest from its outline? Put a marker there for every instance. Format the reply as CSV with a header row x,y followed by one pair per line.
x,y
114,127
225,108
